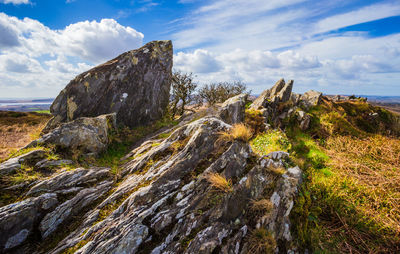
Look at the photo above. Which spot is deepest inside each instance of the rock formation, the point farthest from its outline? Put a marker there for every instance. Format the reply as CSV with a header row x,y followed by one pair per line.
x,y
84,135
278,105
134,85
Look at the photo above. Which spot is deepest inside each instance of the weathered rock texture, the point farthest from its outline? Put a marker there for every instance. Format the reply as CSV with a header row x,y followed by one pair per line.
x,y
164,200
279,105
85,135
135,85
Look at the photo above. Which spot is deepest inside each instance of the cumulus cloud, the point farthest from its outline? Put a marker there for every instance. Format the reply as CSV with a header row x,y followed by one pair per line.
x,y
50,58
99,41
16,2
200,61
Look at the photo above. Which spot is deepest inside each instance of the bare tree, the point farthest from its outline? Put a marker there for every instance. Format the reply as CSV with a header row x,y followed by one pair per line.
x,y
220,92
182,90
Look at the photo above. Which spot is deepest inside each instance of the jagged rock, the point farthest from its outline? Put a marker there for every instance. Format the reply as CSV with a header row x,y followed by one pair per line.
x,y
71,208
17,220
135,85
232,110
84,135
69,179
165,204
280,92
50,164
13,164
304,120
9,166
311,98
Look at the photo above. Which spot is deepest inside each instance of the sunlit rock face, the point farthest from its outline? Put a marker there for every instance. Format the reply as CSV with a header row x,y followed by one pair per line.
x,y
134,85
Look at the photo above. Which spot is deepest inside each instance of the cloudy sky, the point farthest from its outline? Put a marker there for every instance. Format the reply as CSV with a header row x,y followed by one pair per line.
x,y
340,46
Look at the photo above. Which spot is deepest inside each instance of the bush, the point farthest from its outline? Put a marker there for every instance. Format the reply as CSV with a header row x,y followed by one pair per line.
x,y
182,90
219,92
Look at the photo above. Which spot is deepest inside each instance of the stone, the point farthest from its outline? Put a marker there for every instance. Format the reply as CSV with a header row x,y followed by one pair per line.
x,y
71,208
13,164
9,166
17,220
50,164
279,93
304,119
69,179
134,85
82,136
232,110
311,98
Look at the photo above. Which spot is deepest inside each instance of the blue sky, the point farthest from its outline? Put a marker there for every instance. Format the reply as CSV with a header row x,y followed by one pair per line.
x,y
341,46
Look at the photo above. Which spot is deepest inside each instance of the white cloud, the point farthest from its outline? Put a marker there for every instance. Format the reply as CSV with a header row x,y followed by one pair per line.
x,y
99,41
42,61
200,61
15,1
261,41
362,15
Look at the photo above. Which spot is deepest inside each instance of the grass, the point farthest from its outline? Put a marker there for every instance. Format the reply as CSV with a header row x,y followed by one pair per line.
x,y
42,111
237,132
273,140
261,241
219,182
261,206
349,202
17,129
123,140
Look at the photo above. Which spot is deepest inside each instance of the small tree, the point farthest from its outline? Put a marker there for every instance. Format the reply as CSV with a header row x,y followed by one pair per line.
x,y
182,90
220,92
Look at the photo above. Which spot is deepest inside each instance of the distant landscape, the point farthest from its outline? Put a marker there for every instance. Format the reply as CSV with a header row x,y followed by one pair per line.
x,y
391,103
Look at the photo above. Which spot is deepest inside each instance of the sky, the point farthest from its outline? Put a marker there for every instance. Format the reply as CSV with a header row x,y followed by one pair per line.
x,y
336,47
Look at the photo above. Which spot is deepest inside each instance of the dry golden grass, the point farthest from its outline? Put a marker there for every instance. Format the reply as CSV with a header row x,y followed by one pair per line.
x,y
371,167
261,241
238,132
18,129
262,206
219,182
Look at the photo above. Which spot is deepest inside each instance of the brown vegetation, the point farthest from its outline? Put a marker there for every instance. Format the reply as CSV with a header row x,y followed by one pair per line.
x,y
17,129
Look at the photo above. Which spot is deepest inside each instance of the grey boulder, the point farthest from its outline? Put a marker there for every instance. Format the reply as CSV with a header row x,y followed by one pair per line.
x,y
233,110
85,135
134,85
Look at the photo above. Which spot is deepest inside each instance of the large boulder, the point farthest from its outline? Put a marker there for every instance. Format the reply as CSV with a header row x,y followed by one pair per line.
x,y
135,85
85,135
310,98
233,110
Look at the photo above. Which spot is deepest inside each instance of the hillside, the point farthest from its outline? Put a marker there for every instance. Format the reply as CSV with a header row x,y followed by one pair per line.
x,y
285,173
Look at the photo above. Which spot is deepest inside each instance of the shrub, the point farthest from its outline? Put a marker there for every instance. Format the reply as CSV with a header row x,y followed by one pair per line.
x,y
182,90
219,182
219,92
238,132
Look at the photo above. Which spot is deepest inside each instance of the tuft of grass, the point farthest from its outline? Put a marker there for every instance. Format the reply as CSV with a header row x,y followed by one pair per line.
x,y
219,182
262,206
273,140
261,241
255,119
237,132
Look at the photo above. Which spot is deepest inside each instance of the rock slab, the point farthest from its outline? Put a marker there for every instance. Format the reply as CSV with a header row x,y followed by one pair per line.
x,y
134,85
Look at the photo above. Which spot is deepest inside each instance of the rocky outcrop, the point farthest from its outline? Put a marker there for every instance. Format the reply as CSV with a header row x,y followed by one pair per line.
x,y
279,105
85,135
232,110
18,220
134,85
279,93
311,98
28,159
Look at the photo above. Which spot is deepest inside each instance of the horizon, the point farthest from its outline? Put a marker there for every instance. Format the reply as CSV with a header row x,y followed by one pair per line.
x,y
341,47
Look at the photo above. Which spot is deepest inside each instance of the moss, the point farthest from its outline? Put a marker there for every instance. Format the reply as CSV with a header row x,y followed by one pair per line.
x,y
274,140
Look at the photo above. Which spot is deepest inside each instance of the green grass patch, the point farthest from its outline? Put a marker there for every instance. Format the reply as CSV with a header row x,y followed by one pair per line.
x,y
273,140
